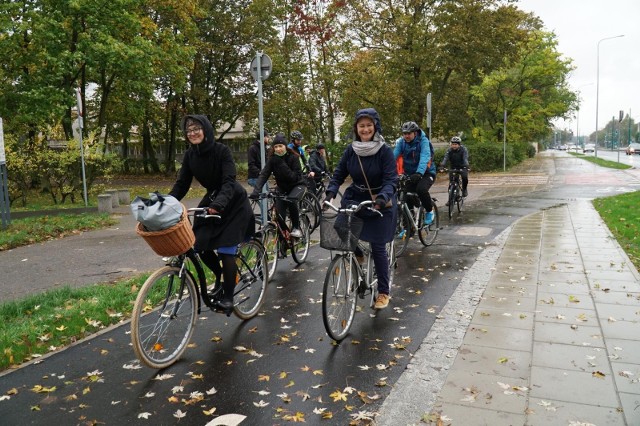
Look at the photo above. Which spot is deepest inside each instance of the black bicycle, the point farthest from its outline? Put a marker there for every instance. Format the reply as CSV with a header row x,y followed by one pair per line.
x,y
411,216
455,190
170,300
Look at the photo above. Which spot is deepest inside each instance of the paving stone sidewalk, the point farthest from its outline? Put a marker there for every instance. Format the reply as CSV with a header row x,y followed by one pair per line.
x,y
550,335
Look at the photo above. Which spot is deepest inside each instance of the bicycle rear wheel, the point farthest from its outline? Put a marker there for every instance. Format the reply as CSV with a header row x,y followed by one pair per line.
x,y
300,248
252,279
428,233
403,231
372,274
163,317
339,297
271,244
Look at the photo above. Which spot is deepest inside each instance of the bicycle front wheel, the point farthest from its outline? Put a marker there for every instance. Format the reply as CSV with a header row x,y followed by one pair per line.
x,y
300,248
339,297
428,233
452,200
251,287
271,244
163,317
460,202
403,231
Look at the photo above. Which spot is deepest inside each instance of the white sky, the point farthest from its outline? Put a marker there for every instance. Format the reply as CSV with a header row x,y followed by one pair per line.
x,y
578,25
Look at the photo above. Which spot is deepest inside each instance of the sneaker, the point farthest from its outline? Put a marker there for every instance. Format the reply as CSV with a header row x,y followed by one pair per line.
x,y
464,192
296,233
382,301
428,218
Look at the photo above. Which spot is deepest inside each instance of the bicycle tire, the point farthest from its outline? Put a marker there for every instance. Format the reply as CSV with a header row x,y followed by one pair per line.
x,y
403,231
459,203
452,199
339,297
251,287
300,246
428,233
271,244
310,207
373,275
164,317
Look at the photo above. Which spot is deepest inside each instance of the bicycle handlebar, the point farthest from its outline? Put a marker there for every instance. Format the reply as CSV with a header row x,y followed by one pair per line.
x,y
202,212
353,208
444,169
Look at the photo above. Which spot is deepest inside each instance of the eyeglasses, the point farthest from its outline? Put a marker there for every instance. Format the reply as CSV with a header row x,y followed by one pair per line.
x,y
193,130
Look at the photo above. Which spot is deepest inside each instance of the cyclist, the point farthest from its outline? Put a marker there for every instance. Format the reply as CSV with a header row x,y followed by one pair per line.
x,y
418,162
211,164
369,162
254,161
458,156
285,165
318,164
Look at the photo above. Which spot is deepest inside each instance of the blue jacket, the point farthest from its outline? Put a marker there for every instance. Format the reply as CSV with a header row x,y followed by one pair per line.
x,y
416,155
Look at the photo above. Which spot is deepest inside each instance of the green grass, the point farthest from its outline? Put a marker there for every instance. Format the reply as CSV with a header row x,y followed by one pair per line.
x,y
622,216
43,228
48,321
601,162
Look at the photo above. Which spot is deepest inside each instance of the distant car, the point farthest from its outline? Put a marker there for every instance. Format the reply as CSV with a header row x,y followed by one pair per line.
x,y
633,148
563,148
574,148
589,148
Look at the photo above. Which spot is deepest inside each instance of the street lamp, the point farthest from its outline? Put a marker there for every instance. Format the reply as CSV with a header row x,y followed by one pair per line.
x,y
598,85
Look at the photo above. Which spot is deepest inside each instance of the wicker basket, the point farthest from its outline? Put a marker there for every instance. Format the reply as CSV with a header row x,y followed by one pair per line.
x,y
340,232
171,241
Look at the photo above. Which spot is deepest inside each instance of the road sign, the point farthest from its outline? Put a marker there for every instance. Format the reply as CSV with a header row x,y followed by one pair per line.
x,y
265,66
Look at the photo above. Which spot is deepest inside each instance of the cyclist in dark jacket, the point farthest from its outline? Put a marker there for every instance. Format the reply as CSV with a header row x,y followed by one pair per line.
x,y
284,164
211,164
254,161
317,164
458,156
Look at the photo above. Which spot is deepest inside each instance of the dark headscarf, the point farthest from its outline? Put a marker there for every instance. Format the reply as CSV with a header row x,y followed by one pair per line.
x,y
207,129
370,113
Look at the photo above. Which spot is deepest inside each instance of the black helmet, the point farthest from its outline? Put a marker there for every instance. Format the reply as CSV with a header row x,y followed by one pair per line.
x,y
296,135
456,139
410,126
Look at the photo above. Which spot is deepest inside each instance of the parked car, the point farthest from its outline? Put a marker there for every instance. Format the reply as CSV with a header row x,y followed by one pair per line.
x,y
562,148
633,148
589,148
574,148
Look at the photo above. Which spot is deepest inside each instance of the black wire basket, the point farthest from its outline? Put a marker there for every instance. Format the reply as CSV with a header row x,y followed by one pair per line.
x,y
340,231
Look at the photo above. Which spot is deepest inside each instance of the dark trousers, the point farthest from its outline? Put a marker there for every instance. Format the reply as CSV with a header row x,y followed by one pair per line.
x,y
291,206
422,189
464,174
381,262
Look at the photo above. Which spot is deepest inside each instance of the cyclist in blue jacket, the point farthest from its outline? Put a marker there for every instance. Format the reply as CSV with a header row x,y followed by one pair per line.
x,y
419,164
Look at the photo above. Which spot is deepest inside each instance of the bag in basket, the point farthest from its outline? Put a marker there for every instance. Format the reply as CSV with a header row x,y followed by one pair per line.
x,y
157,212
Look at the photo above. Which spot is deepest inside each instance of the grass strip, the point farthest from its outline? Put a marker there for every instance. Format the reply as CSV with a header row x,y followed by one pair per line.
x,y
601,161
45,322
43,228
622,216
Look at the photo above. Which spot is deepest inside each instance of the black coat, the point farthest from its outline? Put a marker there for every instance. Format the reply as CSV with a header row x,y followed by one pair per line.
x,y
211,164
286,170
254,162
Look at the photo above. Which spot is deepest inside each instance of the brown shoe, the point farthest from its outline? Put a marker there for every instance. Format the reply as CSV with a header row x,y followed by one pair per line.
x,y
382,301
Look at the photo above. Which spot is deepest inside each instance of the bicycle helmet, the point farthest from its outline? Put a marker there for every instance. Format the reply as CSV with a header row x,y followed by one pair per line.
x,y
296,135
456,139
410,126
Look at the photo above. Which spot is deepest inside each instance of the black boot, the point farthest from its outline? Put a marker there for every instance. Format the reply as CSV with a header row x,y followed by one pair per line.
x,y
464,192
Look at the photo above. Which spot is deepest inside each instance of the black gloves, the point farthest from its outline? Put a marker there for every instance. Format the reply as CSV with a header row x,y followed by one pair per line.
x,y
415,178
380,203
254,195
328,196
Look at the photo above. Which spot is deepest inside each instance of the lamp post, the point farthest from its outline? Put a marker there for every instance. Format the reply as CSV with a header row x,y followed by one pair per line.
x,y
598,85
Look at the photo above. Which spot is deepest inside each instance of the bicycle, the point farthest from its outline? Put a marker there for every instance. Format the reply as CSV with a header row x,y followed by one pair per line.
x,y
170,300
346,279
310,203
277,240
411,215
455,190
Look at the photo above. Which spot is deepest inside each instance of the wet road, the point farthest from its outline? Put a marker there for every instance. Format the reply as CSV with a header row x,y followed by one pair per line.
x,y
281,366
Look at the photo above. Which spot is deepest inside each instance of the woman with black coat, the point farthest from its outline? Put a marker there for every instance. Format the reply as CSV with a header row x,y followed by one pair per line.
x,y
211,164
284,163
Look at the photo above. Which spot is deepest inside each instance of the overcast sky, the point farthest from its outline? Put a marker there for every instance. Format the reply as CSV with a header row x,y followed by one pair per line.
x,y
578,25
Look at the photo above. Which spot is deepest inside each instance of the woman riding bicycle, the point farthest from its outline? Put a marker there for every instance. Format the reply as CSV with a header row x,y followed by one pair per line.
x,y
211,164
458,156
284,163
415,149
370,163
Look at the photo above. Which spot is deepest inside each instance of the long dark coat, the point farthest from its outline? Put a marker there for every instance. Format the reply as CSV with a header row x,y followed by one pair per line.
x,y
286,170
211,164
382,176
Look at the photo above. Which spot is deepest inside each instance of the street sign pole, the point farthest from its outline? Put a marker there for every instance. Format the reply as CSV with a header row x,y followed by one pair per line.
x,y
5,204
261,70
80,126
429,114
504,142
